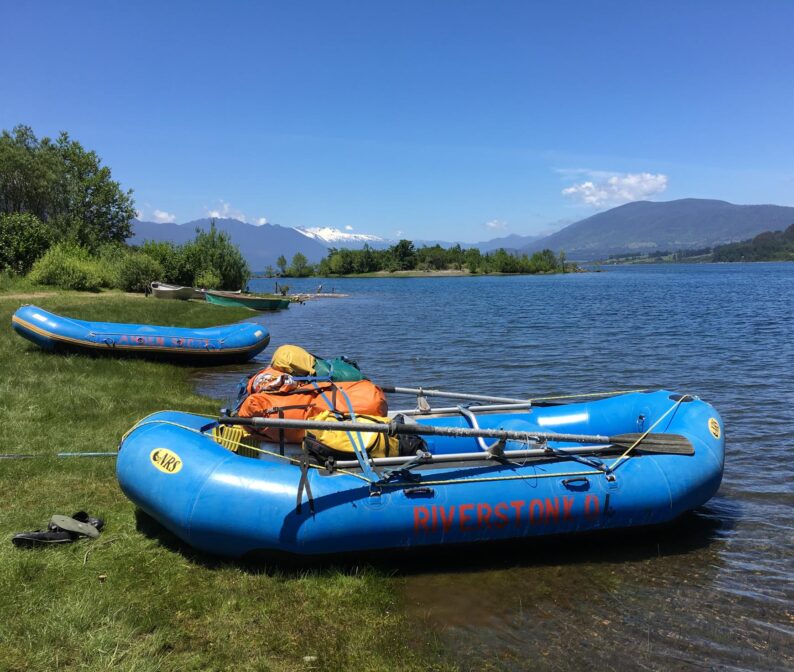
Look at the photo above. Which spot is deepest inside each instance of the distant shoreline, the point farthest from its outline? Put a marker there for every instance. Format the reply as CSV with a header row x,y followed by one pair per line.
x,y
412,274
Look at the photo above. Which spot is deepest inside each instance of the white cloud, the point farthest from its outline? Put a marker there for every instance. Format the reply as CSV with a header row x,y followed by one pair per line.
x,y
163,217
399,233
226,211
261,221
496,225
348,228
605,188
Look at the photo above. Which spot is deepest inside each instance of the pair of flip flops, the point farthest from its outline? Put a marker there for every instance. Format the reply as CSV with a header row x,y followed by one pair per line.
x,y
61,530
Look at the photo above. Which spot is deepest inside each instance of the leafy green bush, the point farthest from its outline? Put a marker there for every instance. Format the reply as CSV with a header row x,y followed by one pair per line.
x,y
171,258
208,279
137,271
214,250
69,266
23,239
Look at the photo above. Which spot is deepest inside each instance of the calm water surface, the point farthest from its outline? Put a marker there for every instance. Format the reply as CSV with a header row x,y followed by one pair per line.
x,y
712,592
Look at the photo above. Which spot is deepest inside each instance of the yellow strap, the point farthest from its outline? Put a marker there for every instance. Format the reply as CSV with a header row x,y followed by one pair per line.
x,y
647,431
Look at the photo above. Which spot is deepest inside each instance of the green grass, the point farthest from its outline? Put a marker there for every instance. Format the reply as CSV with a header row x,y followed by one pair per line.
x,y
10,283
135,599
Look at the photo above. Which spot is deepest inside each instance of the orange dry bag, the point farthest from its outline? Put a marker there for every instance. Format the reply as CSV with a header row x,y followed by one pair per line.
x,y
361,396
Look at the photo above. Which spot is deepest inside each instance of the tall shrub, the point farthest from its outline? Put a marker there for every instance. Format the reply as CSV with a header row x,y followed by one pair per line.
x,y
69,266
137,272
214,250
23,239
172,260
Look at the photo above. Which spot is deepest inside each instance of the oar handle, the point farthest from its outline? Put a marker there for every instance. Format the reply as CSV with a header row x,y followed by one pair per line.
x,y
394,428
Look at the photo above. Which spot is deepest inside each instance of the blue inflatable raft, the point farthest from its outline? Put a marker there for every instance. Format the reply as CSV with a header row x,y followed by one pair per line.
x,y
174,468
216,345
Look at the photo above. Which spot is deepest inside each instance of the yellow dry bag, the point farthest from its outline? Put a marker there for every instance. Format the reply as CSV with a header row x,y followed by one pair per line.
x,y
338,443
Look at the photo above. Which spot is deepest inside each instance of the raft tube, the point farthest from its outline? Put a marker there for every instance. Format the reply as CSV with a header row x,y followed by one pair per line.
x,y
231,505
215,345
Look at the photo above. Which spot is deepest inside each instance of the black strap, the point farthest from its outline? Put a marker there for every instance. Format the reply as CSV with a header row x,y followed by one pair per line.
x,y
304,484
281,433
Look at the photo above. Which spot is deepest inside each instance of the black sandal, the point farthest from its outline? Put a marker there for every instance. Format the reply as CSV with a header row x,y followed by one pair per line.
x,y
61,530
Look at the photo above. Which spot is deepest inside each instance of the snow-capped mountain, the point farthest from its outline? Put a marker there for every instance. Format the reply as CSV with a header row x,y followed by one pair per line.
x,y
330,236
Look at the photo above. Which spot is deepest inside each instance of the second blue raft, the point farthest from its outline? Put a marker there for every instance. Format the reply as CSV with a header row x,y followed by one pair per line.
x,y
215,345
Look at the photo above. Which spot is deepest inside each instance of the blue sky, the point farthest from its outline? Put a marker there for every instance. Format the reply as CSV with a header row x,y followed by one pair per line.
x,y
452,120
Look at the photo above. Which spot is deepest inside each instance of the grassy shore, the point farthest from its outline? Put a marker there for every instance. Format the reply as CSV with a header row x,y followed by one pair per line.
x,y
135,599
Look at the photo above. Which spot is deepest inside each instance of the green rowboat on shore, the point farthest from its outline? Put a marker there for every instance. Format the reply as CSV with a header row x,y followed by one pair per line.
x,y
262,302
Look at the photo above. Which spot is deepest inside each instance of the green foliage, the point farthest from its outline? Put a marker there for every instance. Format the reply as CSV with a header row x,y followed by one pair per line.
x,y
281,264
210,260
767,246
405,257
208,279
69,266
172,260
137,272
300,267
214,250
63,185
23,239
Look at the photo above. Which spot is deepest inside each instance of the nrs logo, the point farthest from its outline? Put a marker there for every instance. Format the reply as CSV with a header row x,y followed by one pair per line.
x,y
166,460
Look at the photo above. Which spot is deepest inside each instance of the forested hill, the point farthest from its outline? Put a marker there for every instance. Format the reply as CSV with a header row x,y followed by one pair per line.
x,y
767,246
645,226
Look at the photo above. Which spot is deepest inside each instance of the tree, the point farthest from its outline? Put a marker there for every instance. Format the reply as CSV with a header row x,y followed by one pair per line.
x,y
404,255
281,264
23,239
300,268
94,208
63,185
213,250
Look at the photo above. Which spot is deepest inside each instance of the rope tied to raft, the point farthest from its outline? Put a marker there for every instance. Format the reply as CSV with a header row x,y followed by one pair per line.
x,y
625,454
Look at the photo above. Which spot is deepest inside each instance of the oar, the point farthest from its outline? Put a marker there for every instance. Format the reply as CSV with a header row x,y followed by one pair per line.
x,y
540,401
421,392
648,443
455,409
430,458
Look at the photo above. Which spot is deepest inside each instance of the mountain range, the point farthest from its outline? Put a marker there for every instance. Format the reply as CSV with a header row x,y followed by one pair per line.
x,y
260,245
641,226
649,226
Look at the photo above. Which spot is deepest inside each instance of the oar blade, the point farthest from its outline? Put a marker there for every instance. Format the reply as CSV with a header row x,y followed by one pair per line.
x,y
671,444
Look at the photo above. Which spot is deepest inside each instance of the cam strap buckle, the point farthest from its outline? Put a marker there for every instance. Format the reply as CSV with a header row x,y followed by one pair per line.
x,y
304,484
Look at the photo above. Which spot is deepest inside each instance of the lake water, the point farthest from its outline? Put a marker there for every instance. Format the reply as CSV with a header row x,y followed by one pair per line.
x,y
715,590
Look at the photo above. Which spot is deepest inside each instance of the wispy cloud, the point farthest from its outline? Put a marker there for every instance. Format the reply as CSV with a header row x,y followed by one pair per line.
x,y
605,188
163,217
348,228
226,211
261,221
496,225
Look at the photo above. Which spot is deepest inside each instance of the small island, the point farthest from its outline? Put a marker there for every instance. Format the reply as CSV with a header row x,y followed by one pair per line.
x,y
404,259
